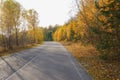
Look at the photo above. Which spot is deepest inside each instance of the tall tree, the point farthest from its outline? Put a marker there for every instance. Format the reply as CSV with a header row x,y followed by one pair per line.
x,y
8,10
1,26
32,17
109,16
17,14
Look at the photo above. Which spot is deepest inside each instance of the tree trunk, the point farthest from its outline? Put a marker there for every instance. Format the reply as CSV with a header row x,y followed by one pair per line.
x,y
9,39
17,43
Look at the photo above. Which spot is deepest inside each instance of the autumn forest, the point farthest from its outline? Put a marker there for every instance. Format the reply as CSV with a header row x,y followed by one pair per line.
x,y
96,24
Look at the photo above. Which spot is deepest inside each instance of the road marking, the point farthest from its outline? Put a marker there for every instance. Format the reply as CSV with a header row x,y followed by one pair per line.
x,y
21,67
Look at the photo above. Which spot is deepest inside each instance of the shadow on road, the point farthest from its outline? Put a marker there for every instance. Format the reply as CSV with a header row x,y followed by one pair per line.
x,y
14,71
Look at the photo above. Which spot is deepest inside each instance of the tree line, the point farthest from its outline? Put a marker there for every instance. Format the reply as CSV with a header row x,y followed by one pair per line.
x,y
49,31
18,27
97,23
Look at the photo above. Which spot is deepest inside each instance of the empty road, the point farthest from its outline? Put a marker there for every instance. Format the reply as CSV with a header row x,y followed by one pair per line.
x,y
50,61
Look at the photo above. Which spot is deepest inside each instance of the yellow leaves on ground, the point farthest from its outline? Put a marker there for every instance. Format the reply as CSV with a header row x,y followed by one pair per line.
x,y
88,56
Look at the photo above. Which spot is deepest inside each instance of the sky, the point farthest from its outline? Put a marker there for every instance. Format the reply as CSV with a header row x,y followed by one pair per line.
x,y
51,12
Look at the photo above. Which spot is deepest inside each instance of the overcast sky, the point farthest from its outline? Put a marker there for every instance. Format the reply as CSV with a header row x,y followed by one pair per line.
x,y
51,12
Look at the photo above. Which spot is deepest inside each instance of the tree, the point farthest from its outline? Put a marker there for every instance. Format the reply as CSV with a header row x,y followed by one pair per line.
x,y
48,32
1,26
8,10
109,16
18,27
32,18
17,14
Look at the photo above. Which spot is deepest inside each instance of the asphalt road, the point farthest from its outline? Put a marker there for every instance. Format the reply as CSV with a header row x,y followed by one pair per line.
x,y
50,61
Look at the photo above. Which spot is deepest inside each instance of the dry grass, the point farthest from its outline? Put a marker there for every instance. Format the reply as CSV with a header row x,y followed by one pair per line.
x,y
88,56
16,49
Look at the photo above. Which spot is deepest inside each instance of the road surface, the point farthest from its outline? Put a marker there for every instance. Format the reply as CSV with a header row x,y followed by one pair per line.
x,y
50,61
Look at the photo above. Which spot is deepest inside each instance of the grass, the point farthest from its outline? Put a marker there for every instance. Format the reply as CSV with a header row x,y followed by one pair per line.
x,y
16,49
88,56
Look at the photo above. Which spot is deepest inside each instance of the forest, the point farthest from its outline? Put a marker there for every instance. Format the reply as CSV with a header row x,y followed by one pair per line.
x,y
18,27
97,23
93,37
95,29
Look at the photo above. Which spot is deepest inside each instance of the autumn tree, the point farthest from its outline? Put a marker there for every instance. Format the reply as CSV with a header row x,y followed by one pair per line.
x,y
109,16
18,27
1,27
32,18
96,23
8,20
17,14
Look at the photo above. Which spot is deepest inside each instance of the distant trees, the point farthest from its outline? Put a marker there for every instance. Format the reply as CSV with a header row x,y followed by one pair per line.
x,y
64,32
97,23
18,27
48,32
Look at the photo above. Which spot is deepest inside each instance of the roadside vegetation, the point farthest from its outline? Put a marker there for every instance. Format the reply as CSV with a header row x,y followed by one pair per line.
x,y
90,59
18,27
93,37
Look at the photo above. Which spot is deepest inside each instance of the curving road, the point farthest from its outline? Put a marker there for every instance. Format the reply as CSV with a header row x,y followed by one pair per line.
x,y
50,61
